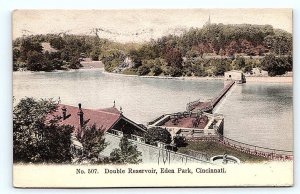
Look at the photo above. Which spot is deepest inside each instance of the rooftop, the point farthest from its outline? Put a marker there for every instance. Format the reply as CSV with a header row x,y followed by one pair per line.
x,y
235,71
103,118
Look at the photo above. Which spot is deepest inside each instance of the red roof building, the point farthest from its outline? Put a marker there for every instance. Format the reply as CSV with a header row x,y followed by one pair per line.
x,y
105,119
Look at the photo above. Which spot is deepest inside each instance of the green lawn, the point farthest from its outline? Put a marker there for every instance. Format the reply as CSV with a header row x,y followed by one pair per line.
x,y
214,148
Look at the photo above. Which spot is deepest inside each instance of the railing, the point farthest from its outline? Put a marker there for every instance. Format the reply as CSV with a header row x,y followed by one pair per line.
x,y
155,120
200,157
213,102
194,102
165,156
273,154
115,132
197,154
191,105
137,138
222,93
208,108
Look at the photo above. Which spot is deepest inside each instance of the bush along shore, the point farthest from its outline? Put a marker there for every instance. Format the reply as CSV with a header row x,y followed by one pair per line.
x,y
200,52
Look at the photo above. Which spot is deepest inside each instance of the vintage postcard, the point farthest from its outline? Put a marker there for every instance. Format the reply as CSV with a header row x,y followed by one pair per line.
x,y
152,98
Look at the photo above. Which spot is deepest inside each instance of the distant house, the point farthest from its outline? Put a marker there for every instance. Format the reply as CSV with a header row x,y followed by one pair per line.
x,y
258,72
107,119
235,75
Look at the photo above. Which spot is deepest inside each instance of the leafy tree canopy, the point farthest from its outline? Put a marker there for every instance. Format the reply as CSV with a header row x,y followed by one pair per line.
x,y
38,138
126,154
93,142
155,134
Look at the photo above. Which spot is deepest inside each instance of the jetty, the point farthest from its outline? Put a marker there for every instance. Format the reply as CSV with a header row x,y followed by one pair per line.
x,y
208,106
230,79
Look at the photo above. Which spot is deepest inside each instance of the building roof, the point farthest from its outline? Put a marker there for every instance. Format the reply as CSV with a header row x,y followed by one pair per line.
x,y
235,71
109,110
103,118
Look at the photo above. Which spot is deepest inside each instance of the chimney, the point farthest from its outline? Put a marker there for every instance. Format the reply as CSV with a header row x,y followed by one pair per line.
x,y
80,113
64,111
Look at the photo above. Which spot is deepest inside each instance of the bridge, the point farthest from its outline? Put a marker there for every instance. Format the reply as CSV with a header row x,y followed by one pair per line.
x,y
208,106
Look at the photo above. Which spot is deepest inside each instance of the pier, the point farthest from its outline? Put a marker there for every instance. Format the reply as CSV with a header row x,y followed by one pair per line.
x,y
208,106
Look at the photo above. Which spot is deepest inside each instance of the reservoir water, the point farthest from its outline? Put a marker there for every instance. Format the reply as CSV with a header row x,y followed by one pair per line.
x,y
255,113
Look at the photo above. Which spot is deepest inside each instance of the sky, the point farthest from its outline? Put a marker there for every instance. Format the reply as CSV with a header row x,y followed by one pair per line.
x,y
140,25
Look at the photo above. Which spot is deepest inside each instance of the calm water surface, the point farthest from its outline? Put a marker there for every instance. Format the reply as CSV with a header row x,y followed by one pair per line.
x,y
260,114
256,113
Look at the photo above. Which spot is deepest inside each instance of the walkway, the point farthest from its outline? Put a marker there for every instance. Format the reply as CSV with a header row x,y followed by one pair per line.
x,y
208,106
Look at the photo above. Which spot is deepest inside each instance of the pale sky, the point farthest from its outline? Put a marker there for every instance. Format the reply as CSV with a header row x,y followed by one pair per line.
x,y
140,25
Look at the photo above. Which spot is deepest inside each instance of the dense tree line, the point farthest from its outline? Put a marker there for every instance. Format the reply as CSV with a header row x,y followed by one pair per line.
x,y
66,51
211,50
207,51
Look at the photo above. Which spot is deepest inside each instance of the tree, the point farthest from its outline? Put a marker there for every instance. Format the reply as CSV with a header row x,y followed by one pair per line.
x,y
220,66
112,59
156,69
174,58
28,44
277,65
155,134
35,61
232,48
180,141
74,63
239,63
37,136
143,70
247,47
57,42
93,142
95,53
126,154
16,55
136,58
280,44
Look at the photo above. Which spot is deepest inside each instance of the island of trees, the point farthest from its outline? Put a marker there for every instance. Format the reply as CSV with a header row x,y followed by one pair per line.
x,y
207,51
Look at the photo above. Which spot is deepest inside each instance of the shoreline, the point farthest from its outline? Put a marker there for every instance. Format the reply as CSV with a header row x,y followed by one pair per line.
x,y
278,79
59,71
270,79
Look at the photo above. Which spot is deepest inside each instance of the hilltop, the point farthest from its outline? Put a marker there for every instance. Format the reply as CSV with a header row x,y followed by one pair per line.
x,y
207,51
